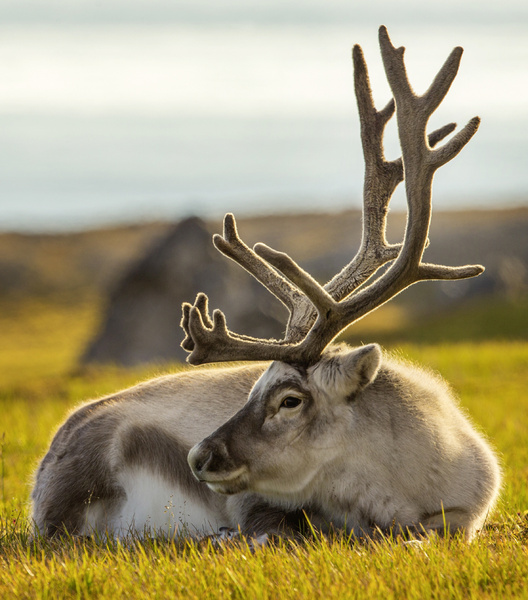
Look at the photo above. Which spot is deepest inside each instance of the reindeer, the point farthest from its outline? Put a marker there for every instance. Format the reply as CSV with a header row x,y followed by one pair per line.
x,y
346,437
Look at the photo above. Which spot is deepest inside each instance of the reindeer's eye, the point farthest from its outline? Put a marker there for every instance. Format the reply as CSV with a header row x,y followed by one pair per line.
x,y
290,402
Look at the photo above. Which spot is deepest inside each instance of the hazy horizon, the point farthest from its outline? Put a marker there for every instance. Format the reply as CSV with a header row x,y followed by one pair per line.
x,y
137,110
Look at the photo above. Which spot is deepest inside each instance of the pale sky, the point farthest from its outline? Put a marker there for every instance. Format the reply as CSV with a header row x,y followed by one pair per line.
x,y
103,100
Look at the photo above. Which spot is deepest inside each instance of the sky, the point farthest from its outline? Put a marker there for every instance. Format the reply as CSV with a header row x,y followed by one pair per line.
x,y
129,109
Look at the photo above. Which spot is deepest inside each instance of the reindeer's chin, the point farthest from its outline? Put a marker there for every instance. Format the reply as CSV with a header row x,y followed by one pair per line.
x,y
228,483
228,487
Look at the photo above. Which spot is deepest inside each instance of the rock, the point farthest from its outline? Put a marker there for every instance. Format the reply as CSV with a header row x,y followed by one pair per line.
x,y
142,322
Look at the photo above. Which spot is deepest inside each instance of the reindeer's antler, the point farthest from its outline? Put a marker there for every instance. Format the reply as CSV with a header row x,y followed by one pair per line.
x,y
318,314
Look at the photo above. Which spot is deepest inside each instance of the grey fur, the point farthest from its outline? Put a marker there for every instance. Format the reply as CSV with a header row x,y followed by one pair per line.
x,y
401,454
75,471
141,426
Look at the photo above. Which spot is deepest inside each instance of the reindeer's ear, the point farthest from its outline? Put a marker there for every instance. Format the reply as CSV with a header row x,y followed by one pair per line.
x,y
348,371
361,366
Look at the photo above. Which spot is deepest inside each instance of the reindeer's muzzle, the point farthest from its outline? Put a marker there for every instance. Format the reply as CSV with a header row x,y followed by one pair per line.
x,y
212,464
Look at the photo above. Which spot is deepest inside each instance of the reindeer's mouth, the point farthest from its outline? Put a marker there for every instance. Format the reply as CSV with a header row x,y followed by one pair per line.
x,y
227,483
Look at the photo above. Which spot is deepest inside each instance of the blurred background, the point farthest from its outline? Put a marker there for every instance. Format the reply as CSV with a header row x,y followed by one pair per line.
x,y
139,109
128,128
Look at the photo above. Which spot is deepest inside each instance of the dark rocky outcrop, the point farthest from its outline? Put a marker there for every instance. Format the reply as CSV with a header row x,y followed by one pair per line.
x,y
142,323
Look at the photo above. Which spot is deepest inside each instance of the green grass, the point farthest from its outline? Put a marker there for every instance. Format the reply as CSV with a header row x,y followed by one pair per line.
x,y
38,386
494,567
481,320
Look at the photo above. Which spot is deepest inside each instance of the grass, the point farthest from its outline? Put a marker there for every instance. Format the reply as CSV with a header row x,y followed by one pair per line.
x,y
40,383
316,569
42,337
479,320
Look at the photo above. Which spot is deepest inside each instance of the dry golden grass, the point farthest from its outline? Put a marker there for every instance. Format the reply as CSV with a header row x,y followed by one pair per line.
x,y
40,383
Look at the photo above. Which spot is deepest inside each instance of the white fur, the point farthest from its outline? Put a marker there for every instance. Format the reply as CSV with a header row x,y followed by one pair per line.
x,y
152,506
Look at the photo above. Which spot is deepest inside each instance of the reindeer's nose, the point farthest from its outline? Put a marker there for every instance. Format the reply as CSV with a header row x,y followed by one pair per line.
x,y
198,459
207,458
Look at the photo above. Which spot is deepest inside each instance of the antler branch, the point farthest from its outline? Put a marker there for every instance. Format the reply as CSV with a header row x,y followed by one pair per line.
x,y
381,179
420,163
318,314
233,247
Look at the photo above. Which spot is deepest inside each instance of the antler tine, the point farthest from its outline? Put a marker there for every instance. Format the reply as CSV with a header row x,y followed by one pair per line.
x,y
420,161
233,247
200,309
216,343
201,304
299,308
381,179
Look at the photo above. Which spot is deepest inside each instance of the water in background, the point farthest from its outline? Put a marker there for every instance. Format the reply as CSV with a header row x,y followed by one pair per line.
x,y
140,111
